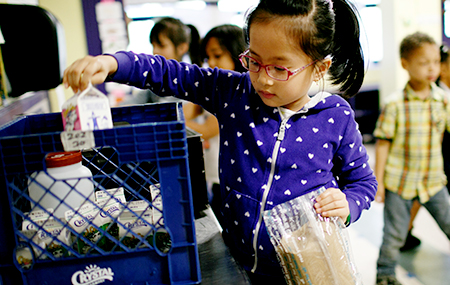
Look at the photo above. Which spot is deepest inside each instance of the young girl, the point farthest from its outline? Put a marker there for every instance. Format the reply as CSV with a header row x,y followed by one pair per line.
x,y
222,46
173,39
277,143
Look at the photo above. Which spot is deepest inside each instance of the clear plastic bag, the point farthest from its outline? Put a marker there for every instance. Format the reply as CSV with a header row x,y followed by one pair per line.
x,y
311,249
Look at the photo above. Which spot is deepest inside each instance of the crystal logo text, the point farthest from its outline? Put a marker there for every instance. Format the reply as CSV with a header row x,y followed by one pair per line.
x,y
92,275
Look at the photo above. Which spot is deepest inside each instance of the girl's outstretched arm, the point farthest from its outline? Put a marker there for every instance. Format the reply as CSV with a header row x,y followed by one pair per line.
x,y
89,69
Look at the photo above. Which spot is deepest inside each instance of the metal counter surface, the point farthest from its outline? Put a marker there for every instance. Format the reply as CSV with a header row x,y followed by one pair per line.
x,y
216,263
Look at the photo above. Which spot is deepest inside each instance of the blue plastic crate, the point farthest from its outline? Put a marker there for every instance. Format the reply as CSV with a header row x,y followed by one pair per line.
x,y
147,146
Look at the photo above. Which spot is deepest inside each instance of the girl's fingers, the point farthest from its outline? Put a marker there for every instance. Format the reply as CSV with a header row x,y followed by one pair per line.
x,y
332,202
334,205
80,73
89,69
330,195
335,213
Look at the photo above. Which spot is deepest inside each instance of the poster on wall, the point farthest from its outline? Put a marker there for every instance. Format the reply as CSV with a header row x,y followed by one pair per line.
x,y
27,2
111,26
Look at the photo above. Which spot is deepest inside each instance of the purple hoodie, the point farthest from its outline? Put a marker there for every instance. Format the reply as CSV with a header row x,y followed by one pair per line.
x,y
264,160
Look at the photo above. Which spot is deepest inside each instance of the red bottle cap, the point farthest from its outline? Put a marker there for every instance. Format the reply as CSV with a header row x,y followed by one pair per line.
x,y
59,159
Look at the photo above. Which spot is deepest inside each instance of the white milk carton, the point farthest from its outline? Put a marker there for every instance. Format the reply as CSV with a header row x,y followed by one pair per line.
x,y
136,220
87,110
32,221
79,220
38,216
157,204
162,239
110,197
136,223
50,236
109,205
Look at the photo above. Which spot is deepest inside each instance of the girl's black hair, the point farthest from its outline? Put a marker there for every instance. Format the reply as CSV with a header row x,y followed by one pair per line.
x,y
445,52
321,28
178,33
231,38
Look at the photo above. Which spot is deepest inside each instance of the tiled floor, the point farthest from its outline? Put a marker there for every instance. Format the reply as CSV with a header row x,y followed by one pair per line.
x,y
429,264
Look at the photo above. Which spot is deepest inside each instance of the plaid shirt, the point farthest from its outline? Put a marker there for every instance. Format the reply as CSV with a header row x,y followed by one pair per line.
x,y
415,127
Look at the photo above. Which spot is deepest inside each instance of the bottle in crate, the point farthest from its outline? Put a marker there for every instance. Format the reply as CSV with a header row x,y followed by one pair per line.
x,y
66,178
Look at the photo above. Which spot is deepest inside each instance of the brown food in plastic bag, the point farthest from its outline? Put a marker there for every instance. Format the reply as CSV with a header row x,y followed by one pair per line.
x,y
310,261
311,249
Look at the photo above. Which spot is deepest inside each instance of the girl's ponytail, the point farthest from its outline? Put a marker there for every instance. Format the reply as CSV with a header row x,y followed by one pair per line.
x,y
194,46
347,69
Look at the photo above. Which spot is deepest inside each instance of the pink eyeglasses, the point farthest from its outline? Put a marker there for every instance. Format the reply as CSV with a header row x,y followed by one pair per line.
x,y
276,72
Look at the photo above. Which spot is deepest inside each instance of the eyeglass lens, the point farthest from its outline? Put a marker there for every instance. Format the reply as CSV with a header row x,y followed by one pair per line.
x,y
273,71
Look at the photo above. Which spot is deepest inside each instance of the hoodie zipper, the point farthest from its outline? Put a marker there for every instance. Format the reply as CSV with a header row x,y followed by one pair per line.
x,y
280,137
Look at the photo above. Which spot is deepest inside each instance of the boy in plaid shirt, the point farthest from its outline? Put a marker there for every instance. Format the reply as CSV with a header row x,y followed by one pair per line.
x,y
409,164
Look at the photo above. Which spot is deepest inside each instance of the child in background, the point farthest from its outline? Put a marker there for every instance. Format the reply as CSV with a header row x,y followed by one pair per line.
x,y
221,48
444,83
172,39
409,152
276,142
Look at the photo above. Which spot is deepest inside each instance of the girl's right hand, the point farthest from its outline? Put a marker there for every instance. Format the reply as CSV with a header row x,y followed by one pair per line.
x,y
89,69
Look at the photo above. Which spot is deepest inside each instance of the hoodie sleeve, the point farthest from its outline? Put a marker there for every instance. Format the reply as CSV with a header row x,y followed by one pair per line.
x,y
355,176
172,78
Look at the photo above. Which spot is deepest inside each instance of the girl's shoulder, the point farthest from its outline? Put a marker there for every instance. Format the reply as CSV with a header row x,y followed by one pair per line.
x,y
328,101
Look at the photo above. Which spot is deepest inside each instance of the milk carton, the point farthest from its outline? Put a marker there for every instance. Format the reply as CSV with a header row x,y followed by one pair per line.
x,y
52,236
48,233
161,237
87,110
32,221
135,224
136,221
87,218
157,204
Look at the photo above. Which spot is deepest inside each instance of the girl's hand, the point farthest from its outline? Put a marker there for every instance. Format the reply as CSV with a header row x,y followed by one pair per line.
x,y
89,69
332,203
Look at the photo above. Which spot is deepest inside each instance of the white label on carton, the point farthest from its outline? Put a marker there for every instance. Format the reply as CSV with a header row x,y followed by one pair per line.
x,y
111,201
109,197
95,112
79,222
53,229
39,217
138,206
77,140
135,224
